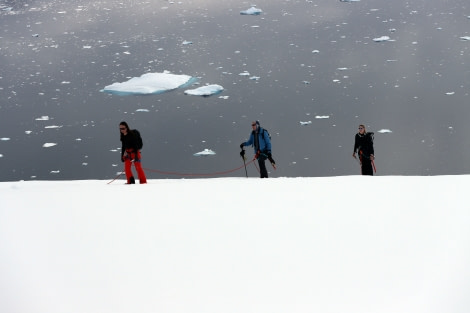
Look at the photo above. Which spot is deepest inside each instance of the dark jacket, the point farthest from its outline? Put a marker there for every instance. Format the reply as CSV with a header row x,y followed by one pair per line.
x,y
129,142
364,143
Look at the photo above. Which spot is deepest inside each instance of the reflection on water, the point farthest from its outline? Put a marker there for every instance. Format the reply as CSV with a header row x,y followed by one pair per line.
x,y
309,71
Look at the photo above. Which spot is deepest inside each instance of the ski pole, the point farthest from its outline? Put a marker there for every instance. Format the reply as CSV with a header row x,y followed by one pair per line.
x,y
242,154
373,165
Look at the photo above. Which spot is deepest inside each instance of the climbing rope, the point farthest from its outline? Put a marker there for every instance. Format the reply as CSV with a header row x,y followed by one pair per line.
x,y
188,174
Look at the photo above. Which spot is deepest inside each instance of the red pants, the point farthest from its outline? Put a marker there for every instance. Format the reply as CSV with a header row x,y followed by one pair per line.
x,y
133,157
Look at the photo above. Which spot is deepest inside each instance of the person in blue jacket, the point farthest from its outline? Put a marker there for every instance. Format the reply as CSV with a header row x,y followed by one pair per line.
x,y
259,139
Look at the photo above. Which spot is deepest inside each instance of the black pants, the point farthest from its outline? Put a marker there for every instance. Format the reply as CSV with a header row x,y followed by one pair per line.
x,y
262,166
366,166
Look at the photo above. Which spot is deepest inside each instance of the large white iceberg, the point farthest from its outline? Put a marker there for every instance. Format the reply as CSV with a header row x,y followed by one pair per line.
x,y
206,91
150,83
251,11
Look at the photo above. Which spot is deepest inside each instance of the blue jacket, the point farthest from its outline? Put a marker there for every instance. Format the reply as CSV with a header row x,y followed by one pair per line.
x,y
264,141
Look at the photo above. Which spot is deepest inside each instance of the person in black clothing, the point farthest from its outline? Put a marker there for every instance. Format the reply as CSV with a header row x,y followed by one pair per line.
x,y
364,146
130,153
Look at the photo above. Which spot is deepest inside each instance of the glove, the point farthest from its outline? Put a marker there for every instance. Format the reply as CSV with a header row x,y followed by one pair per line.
x,y
242,145
242,153
270,158
123,158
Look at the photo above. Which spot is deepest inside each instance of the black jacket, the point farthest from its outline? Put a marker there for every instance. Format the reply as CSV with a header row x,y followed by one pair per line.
x,y
129,141
364,143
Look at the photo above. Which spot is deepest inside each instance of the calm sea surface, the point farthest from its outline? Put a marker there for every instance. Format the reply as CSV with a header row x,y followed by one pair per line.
x,y
315,61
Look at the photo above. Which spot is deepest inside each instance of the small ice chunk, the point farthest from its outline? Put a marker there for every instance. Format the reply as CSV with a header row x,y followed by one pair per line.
x,y
251,11
27,132
55,172
4,139
1,155
186,42
35,35
316,51
86,47
381,39
465,38
322,116
206,91
43,118
450,93
52,126
142,110
349,0
245,73
305,123
205,152
49,144
384,131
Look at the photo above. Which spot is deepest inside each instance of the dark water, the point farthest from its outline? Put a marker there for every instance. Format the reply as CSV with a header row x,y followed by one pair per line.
x,y
314,58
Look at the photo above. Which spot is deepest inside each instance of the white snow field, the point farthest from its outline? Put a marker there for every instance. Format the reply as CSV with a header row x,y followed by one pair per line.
x,y
336,245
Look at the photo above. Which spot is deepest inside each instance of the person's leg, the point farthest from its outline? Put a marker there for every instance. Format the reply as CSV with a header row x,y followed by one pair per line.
x,y
367,167
262,166
128,170
139,169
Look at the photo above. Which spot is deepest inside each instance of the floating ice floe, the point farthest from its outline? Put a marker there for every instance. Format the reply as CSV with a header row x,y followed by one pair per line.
x,y
381,39
206,91
205,152
55,172
465,38
251,11
52,126
150,83
1,155
43,118
384,131
349,0
142,110
322,116
245,73
27,132
49,144
450,93
4,139
305,123
316,51
186,42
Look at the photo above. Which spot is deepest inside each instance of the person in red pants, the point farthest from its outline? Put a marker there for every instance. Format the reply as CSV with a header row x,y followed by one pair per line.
x,y
130,152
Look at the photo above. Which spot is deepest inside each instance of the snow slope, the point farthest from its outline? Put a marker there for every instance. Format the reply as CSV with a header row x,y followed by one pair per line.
x,y
337,244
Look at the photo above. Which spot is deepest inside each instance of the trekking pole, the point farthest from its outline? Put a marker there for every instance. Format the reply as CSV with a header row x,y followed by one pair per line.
x,y
373,165
242,154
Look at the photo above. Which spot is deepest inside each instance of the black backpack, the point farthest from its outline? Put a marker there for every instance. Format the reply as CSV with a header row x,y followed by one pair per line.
x,y
264,131
138,139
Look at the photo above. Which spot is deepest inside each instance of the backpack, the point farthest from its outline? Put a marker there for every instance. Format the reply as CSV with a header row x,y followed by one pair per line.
x,y
263,132
138,139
